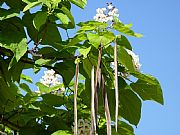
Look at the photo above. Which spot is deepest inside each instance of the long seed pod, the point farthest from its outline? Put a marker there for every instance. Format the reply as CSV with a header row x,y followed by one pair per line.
x,y
106,107
97,82
93,119
75,100
116,84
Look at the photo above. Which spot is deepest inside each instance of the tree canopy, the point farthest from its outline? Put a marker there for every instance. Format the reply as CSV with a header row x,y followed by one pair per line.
x,y
93,83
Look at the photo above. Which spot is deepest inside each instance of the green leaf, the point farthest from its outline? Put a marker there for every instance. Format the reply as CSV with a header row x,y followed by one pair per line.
x,y
67,70
25,87
5,14
16,71
63,18
84,51
148,91
53,100
61,132
8,89
42,62
79,3
39,19
29,1
45,89
123,129
87,66
130,106
105,38
42,87
94,39
125,59
78,38
30,5
26,78
145,77
51,36
69,15
125,29
13,28
123,41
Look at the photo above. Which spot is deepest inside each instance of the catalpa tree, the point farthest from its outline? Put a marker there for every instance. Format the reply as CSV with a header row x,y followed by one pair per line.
x,y
92,82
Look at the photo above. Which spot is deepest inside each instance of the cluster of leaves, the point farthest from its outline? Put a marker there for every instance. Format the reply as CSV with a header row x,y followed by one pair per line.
x,y
27,112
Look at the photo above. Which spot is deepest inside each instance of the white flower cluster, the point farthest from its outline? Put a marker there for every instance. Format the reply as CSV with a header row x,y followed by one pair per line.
x,y
50,78
135,59
106,14
83,127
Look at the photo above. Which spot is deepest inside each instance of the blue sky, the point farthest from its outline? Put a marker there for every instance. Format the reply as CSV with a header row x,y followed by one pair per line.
x,y
158,21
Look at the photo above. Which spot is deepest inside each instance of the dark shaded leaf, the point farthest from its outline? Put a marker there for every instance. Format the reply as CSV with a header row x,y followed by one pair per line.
x,y
130,106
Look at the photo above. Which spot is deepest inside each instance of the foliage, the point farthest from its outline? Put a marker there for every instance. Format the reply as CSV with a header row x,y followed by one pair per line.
x,y
50,110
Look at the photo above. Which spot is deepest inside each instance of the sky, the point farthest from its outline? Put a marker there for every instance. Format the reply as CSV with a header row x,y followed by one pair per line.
x,y
158,21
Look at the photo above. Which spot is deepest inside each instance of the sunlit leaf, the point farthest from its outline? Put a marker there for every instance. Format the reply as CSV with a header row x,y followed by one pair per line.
x,y
148,91
39,19
30,5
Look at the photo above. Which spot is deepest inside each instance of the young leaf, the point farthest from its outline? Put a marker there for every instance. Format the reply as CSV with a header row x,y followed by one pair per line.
x,y
79,3
63,18
125,29
69,15
94,39
61,132
26,78
39,19
84,51
41,62
30,5
5,14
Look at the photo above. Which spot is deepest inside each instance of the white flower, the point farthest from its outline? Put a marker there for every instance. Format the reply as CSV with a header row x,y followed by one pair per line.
x,y
103,9
104,15
50,78
135,59
99,11
110,6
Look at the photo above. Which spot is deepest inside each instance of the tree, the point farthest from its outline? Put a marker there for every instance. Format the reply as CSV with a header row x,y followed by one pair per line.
x,y
96,93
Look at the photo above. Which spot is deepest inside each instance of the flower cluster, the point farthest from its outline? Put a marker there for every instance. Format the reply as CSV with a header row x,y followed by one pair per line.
x,y
50,78
83,127
106,14
135,59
